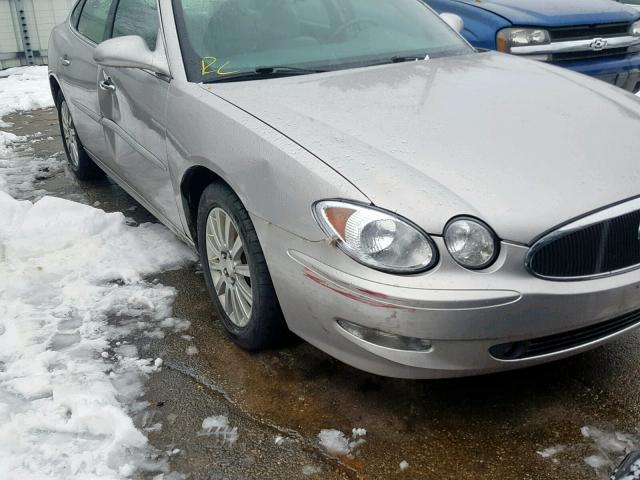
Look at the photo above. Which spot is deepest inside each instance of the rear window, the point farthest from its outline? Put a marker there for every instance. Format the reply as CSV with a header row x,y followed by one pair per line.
x,y
93,19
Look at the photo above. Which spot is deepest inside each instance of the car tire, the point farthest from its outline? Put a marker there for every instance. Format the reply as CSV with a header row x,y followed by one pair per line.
x,y
79,161
222,222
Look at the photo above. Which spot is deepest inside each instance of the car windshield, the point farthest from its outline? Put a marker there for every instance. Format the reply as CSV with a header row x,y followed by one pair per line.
x,y
246,39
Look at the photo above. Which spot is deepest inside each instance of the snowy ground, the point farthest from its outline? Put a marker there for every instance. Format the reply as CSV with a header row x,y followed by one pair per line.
x,y
68,384
24,89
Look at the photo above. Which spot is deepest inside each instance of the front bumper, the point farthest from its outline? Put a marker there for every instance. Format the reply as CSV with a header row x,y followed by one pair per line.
x,y
462,313
623,72
629,81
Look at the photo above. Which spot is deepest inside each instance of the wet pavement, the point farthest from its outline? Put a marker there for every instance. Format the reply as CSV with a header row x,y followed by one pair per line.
x,y
528,424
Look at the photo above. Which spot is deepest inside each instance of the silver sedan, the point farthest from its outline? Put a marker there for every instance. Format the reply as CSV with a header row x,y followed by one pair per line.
x,y
354,172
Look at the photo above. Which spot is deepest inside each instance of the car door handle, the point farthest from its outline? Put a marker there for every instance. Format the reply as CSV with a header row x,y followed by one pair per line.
x,y
107,85
65,61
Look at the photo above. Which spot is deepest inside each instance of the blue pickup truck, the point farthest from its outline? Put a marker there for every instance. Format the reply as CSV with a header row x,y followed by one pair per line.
x,y
600,38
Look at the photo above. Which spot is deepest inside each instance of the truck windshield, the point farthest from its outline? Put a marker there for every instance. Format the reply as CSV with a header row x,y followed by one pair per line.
x,y
247,39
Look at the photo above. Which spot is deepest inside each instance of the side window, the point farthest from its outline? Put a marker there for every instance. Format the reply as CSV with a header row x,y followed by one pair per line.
x,y
137,17
75,14
93,19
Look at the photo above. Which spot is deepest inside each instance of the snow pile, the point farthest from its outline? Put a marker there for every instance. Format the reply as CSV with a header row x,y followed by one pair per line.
x,y
67,272
24,88
597,461
611,446
551,451
18,170
219,428
309,470
192,350
7,140
336,442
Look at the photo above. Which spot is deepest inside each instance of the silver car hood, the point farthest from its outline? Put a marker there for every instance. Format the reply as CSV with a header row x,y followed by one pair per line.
x,y
522,145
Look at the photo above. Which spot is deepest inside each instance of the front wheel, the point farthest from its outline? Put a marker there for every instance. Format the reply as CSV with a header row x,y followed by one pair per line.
x,y
79,161
236,271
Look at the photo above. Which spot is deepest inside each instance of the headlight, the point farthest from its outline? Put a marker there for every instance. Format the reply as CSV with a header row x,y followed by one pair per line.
x,y
471,243
376,238
521,37
635,29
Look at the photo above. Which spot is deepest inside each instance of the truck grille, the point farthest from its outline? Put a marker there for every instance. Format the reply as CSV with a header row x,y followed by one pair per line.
x,y
589,54
585,32
564,341
588,32
605,247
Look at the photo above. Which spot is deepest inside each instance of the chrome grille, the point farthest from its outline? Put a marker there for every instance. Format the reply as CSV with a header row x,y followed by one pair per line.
x,y
584,32
589,32
583,42
588,54
589,249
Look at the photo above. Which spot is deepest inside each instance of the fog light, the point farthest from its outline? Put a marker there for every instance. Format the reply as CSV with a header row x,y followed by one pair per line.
x,y
385,339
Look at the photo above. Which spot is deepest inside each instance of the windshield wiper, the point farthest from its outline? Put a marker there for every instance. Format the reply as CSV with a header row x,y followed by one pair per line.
x,y
265,72
285,69
399,59
408,58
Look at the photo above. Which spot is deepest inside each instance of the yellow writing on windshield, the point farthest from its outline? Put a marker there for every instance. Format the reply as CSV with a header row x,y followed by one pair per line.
x,y
211,65
207,64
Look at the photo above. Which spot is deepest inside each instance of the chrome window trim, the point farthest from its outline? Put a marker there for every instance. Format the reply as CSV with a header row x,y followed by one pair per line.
x,y
74,28
76,32
86,40
577,45
76,4
586,221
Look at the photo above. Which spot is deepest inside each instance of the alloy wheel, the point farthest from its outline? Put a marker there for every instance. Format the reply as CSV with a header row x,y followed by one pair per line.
x,y
229,267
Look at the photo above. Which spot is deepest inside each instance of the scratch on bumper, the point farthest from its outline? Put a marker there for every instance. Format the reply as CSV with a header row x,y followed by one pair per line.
x,y
397,297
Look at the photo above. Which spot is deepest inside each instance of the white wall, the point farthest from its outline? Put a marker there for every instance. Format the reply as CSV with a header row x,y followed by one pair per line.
x,y
42,16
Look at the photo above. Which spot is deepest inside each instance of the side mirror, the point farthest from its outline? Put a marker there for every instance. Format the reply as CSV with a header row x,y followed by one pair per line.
x,y
130,51
454,21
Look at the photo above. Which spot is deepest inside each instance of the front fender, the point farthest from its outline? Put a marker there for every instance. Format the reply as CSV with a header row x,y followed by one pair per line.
x,y
276,179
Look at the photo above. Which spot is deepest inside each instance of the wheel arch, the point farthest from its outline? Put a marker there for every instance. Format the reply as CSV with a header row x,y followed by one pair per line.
x,y
55,87
194,181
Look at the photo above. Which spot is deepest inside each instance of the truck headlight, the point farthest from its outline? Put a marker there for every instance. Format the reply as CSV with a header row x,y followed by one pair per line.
x,y
521,37
635,29
377,238
471,242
